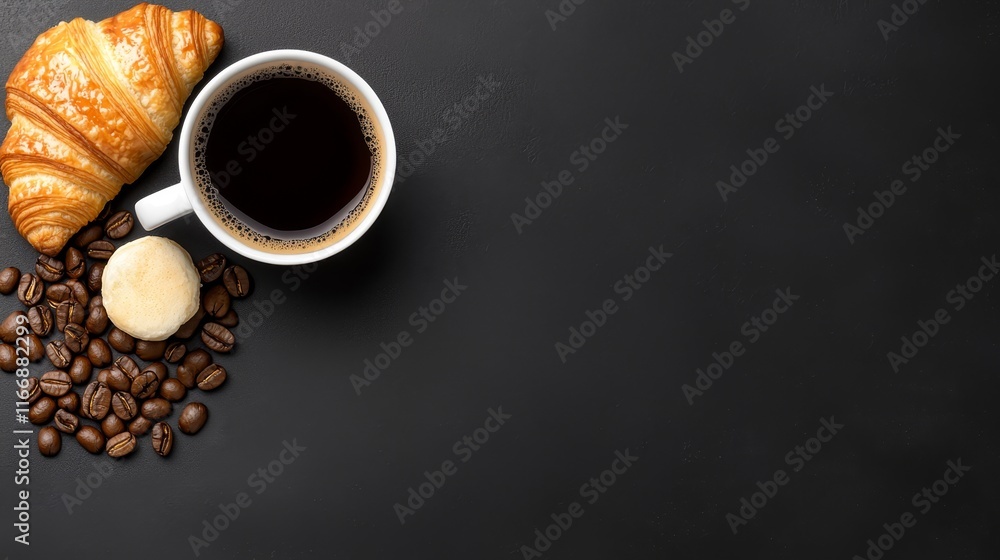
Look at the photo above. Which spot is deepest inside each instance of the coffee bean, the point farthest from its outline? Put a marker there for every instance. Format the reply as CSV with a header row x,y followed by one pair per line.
x,y
42,411
36,349
192,365
88,235
237,281
76,264
69,311
49,441
99,353
100,250
193,418
30,290
172,390
94,277
145,385
97,320
119,225
121,445
49,268
218,338
103,376
91,439
117,380
188,329
95,302
216,301
80,369
66,422
140,425
121,341
112,425
69,401
8,329
150,351
157,409
58,293
159,368
9,278
59,354
40,319
127,366
56,383
211,377
162,439
79,291
8,358
33,391
76,337
96,401
229,320
124,405
175,352
210,268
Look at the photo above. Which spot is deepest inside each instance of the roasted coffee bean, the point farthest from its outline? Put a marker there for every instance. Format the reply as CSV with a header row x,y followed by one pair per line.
x,y
91,439
66,422
216,301
104,376
218,338
112,425
121,445
237,281
119,225
80,370
42,411
121,341
175,352
100,250
192,365
162,439
49,441
145,385
95,302
49,268
157,409
79,291
8,329
97,320
69,401
56,383
76,337
188,329
159,368
124,405
127,366
36,348
30,290
31,392
172,390
229,320
40,319
192,418
9,278
8,358
59,354
150,351
98,352
211,267
211,377
140,425
95,276
96,401
76,264
118,380
58,293
88,235
69,311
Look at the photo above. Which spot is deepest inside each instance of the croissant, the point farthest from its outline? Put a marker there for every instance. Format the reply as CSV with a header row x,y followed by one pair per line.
x,y
91,105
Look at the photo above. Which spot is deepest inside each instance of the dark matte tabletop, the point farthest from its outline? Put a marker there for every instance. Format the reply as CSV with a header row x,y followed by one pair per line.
x,y
678,280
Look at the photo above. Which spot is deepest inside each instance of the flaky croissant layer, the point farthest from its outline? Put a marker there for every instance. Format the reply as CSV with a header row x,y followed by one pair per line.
x,y
91,105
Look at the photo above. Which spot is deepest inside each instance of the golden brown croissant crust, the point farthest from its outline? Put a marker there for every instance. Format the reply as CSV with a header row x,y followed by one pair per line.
x,y
91,105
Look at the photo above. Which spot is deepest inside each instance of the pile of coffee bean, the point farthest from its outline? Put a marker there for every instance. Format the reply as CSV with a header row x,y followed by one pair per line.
x,y
132,393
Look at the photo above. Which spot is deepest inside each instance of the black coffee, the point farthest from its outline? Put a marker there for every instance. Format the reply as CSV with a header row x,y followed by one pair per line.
x,y
287,158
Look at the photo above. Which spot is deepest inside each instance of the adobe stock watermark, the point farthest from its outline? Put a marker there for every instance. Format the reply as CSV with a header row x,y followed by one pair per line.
x,y
86,486
752,331
463,449
363,34
913,168
563,11
591,491
454,117
786,126
581,159
265,306
251,148
32,18
899,16
797,459
924,501
222,8
958,297
421,320
258,481
625,288
702,40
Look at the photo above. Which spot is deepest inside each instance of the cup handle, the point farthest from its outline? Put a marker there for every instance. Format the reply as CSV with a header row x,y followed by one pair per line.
x,y
163,206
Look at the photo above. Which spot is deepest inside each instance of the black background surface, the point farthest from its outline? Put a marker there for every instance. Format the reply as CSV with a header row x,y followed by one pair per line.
x,y
495,346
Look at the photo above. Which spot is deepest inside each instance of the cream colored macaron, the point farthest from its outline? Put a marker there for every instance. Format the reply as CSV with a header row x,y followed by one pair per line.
x,y
150,288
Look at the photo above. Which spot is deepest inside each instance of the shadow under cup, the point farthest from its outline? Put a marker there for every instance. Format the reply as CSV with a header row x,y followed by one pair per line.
x,y
289,158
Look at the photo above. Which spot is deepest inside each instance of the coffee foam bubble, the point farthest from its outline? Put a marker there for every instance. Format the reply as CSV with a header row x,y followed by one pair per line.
x,y
210,194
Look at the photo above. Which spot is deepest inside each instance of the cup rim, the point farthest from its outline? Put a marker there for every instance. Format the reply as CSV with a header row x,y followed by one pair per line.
x,y
220,80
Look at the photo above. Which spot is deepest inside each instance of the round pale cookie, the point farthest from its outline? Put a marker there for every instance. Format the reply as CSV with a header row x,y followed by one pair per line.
x,y
150,288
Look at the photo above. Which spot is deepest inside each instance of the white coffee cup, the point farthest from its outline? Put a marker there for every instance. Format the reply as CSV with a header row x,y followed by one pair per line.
x,y
183,198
